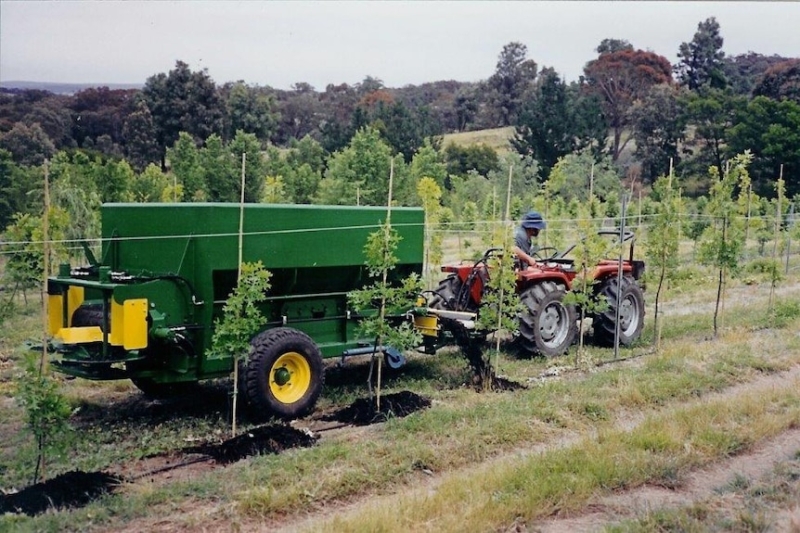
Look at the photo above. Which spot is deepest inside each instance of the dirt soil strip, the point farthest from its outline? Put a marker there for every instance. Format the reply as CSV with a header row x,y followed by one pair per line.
x,y
699,485
318,520
210,518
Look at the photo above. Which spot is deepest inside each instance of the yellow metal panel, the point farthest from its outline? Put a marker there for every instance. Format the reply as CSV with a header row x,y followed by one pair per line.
x,y
117,335
55,308
74,300
54,313
427,325
80,335
129,324
135,324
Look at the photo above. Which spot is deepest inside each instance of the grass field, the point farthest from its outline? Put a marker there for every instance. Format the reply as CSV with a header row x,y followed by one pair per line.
x,y
497,138
536,458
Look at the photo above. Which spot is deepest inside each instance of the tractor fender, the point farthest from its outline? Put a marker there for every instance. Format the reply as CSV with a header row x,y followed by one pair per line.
x,y
526,278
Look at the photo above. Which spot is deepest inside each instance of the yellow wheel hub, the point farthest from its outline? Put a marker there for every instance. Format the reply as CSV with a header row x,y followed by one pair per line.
x,y
290,377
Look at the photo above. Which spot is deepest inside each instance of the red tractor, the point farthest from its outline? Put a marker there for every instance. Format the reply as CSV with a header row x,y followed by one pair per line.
x,y
548,325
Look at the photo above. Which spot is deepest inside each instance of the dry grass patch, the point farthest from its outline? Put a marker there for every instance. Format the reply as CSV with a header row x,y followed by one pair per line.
x,y
496,138
520,491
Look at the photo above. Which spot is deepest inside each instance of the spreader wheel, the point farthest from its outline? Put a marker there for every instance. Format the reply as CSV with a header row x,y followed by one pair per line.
x,y
284,375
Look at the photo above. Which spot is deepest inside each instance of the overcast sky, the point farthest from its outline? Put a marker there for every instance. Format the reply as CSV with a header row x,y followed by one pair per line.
x,y
281,43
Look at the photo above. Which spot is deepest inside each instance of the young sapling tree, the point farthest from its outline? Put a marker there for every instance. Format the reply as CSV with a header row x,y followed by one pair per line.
x,y
430,194
241,320
663,239
500,305
380,298
589,250
722,242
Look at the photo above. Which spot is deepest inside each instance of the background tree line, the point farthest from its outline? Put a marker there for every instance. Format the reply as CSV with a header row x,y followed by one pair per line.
x,y
180,138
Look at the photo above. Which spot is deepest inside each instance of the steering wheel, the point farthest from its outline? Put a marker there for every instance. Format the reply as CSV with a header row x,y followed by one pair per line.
x,y
537,254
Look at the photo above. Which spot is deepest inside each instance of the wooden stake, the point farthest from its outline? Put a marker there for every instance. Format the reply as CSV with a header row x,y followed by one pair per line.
x,y
45,265
238,280
387,230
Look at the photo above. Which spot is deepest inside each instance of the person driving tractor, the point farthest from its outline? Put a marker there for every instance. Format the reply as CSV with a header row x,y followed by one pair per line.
x,y
529,228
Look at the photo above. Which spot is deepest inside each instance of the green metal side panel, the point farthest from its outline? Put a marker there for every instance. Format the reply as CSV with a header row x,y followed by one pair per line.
x,y
280,236
314,252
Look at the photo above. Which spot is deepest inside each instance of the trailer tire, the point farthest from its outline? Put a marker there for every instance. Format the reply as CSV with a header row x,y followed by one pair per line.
x,y
88,315
284,374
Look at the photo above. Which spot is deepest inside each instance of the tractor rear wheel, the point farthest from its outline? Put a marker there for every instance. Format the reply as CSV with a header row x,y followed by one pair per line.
x,y
547,325
452,295
631,312
284,374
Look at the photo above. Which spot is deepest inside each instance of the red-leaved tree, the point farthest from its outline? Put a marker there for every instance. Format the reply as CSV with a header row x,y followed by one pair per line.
x,y
620,78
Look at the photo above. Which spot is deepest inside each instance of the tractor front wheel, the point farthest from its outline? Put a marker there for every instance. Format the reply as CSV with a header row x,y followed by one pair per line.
x,y
547,325
284,375
631,312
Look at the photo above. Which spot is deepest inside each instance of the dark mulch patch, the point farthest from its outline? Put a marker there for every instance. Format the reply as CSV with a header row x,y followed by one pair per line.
x,y
208,401
472,348
506,385
73,489
363,411
273,438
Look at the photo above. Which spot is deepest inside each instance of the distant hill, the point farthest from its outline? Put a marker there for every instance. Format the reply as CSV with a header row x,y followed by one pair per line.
x,y
64,88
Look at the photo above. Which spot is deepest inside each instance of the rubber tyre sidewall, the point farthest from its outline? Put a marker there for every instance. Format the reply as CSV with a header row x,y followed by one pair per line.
x,y
268,347
447,293
530,317
604,323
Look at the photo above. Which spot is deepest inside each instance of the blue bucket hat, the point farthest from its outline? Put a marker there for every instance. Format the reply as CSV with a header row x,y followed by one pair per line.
x,y
533,220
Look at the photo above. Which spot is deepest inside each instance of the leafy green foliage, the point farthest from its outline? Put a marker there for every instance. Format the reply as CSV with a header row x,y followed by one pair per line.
x,y
152,185
713,112
570,178
359,174
241,320
500,305
658,126
139,134
183,101
722,242
588,252
461,159
554,122
184,159
701,59
25,263
663,238
241,317
430,194
771,131
28,146
376,301
511,80
46,409
250,110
